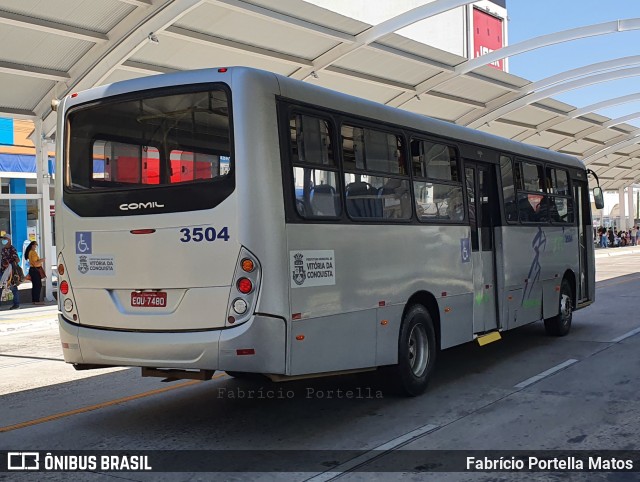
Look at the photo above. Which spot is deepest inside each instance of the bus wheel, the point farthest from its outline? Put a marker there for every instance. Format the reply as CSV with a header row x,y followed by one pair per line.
x,y
416,352
560,324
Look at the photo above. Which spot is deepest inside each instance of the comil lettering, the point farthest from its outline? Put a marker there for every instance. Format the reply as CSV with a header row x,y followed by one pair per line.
x,y
134,206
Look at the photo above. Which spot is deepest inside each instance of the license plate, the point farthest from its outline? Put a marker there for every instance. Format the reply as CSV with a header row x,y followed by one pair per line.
x,y
151,299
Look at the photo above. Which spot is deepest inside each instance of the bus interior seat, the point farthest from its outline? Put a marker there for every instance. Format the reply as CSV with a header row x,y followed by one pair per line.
x,y
548,211
395,199
362,200
324,201
525,210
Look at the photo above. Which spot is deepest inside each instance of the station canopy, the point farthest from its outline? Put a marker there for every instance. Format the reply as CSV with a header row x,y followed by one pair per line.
x,y
55,47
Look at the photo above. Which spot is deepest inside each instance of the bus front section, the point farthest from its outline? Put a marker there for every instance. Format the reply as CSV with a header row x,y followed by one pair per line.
x,y
152,272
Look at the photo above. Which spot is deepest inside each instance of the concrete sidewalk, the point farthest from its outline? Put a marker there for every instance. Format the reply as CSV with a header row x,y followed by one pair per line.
x,y
28,318
605,252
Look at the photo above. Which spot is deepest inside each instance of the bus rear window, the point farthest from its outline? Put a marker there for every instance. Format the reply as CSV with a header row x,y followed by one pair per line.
x,y
151,141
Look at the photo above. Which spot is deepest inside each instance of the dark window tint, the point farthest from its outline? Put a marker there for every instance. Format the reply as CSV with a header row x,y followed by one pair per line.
x,y
508,189
311,140
315,175
434,161
532,177
437,202
317,193
557,181
162,140
376,197
372,150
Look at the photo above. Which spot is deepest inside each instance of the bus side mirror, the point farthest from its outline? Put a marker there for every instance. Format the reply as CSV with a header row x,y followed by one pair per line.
x,y
598,197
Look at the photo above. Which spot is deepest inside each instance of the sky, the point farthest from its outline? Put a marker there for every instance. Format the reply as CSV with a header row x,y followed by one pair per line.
x,y
528,19
532,18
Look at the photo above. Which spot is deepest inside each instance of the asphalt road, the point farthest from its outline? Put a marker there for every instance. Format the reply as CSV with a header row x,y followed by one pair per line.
x,y
526,392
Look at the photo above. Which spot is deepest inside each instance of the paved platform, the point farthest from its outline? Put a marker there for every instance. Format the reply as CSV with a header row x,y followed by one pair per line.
x,y
603,252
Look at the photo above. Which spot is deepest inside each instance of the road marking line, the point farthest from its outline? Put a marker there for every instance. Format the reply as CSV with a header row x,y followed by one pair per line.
x,y
546,373
368,456
626,335
97,406
606,285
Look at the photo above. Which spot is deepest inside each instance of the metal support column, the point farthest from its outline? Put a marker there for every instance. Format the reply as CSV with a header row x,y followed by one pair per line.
x,y
622,224
42,183
632,211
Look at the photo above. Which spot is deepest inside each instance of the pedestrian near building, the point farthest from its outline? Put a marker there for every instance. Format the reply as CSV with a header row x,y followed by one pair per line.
x,y
36,271
9,256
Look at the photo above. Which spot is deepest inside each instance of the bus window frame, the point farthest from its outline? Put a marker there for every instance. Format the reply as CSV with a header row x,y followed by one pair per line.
x,y
428,179
396,131
179,197
288,164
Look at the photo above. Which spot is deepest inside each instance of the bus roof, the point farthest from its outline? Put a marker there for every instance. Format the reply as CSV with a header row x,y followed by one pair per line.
x,y
313,94
330,99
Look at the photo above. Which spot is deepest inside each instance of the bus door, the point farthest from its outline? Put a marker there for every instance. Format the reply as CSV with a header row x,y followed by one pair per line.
x,y
483,208
585,239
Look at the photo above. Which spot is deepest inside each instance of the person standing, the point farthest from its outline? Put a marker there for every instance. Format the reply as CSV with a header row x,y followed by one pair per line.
x,y
35,266
9,256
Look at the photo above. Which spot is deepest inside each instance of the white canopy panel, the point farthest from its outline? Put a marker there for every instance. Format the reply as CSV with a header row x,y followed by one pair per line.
x,y
54,47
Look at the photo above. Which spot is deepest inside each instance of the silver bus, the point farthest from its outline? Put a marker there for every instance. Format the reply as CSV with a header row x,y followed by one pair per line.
x,y
234,219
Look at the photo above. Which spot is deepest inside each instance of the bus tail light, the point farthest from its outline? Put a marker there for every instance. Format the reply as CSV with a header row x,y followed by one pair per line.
x,y
245,286
244,289
247,265
66,302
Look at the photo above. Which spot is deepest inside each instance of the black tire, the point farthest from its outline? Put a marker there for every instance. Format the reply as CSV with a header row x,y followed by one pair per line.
x,y
416,353
560,324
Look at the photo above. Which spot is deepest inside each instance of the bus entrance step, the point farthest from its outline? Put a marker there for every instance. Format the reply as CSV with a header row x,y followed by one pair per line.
x,y
488,338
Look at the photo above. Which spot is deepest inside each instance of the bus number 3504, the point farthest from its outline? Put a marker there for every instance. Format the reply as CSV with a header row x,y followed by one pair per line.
x,y
204,234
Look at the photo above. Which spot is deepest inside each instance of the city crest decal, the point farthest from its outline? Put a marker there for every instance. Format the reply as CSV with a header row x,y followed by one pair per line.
x,y
312,268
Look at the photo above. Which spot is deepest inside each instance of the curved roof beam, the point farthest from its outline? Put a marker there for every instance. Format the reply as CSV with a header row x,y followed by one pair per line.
x,y
624,99
588,109
376,32
598,152
532,97
525,46
556,79
621,120
125,39
549,39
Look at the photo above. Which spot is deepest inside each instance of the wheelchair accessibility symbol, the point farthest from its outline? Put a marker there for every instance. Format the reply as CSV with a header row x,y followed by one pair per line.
x,y
83,242
465,251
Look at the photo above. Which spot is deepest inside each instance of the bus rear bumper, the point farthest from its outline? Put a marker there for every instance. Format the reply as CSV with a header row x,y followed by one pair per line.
x,y
257,346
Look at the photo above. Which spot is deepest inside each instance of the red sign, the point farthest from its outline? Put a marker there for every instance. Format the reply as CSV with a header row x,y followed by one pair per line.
x,y
487,36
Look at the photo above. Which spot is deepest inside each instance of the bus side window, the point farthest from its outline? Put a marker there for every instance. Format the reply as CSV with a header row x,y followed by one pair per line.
x,y
508,190
376,180
437,186
315,173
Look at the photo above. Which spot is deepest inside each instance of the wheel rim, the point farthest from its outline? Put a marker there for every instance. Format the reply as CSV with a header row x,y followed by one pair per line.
x,y
565,308
418,353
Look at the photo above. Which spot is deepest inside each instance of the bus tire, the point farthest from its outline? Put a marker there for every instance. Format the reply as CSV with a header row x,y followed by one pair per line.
x,y
560,324
416,352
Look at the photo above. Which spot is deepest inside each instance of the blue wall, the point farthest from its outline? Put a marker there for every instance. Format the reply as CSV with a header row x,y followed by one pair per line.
x,y
6,131
18,214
